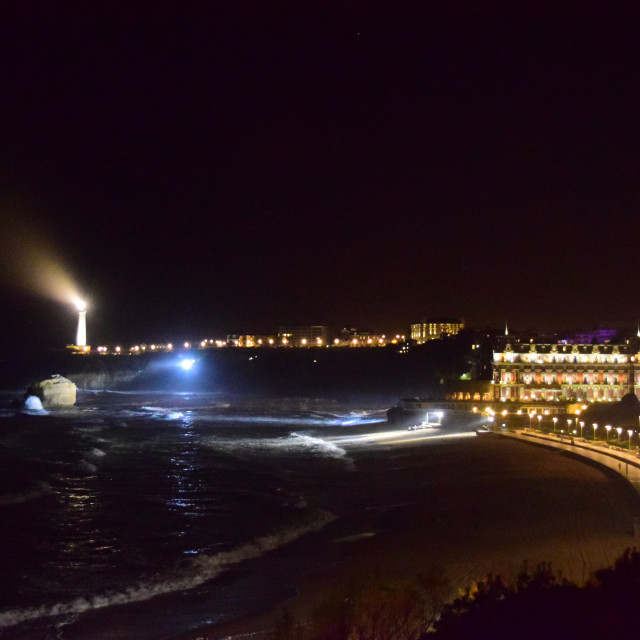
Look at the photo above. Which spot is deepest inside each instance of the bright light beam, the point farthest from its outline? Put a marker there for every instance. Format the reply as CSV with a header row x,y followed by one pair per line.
x,y
187,364
30,263
398,437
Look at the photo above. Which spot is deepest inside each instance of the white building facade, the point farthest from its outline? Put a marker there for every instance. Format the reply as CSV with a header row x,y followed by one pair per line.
x,y
530,372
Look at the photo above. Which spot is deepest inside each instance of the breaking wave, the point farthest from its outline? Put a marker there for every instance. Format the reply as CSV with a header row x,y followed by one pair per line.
x,y
87,467
325,448
94,452
164,414
294,444
203,568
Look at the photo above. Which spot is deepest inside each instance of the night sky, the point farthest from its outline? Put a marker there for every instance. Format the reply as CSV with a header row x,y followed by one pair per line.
x,y
214,167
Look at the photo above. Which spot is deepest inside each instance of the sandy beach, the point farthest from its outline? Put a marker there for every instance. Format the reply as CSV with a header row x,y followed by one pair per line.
x,y
477,506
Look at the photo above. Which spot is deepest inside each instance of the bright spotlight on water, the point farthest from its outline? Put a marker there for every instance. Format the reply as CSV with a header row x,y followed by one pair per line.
x,y
187,364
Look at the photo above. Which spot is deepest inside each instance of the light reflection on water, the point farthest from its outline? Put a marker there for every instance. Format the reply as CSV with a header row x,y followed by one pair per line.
x,y
175,481
183,475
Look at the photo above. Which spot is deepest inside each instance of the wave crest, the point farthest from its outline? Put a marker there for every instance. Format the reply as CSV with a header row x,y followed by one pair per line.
x,y
203,568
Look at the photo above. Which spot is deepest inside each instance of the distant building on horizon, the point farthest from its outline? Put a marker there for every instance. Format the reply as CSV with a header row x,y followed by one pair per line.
x,y
303,336
249,340
352,337
435,328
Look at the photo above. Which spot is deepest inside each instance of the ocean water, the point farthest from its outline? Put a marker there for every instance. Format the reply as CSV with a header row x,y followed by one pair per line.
x,y
145,515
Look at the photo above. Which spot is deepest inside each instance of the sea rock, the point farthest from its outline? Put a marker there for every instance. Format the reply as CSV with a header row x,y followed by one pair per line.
x,y
54,391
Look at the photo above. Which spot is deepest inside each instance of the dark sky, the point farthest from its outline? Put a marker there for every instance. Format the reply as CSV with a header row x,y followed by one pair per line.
x,y
231,166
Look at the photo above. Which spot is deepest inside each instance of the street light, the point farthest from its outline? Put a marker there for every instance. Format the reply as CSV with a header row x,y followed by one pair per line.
x,y
608,427
555,420
619,430
539,421
569,421
581,427
630,432
595,427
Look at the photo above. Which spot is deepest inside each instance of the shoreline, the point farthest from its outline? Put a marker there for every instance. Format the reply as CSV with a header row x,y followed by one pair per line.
x,y
514,504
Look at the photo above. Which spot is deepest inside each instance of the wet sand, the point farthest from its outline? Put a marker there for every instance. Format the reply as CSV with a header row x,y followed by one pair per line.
x,y
475,506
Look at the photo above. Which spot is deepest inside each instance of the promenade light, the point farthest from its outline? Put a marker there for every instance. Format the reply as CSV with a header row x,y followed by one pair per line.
x,y
630,432
608,427
619,430
595,428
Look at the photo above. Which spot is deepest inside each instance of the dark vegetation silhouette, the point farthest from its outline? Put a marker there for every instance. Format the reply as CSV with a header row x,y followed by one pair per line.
x,y
540,604
624,413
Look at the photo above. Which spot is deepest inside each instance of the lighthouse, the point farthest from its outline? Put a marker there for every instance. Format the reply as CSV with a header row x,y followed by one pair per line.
x,y
81,337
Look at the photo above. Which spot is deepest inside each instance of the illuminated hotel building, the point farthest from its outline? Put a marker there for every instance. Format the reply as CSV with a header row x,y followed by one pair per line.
x,y
435,328
525,372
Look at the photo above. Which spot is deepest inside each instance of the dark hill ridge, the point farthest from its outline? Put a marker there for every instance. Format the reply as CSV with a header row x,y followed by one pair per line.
x,y
422,371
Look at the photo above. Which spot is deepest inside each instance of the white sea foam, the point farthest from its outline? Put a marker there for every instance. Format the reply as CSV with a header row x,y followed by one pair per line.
x,y
164,414
203,568
300,419
325,447
294,444
87,467
33,406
